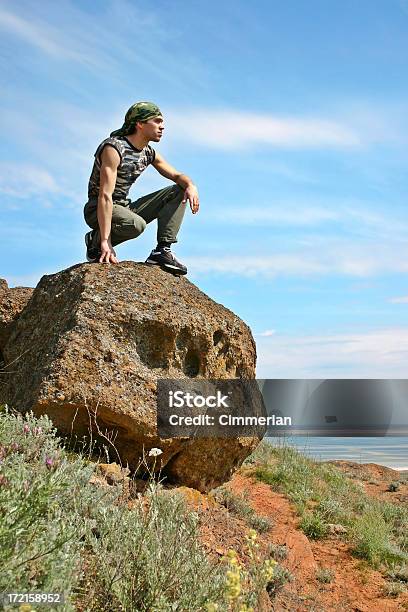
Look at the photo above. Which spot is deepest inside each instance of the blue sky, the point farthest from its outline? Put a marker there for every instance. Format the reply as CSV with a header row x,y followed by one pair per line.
x,y
290,116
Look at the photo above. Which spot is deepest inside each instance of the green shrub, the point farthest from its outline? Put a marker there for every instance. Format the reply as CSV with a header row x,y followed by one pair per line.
x,y
313,526
60,533
373,540
148,558
40,530
273,477
332,510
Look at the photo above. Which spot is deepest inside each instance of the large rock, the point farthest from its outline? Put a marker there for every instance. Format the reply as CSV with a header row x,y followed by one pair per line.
x,y
94,339
12,302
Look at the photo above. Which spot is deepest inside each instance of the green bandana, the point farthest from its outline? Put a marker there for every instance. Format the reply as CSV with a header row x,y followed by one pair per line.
x,y
141,111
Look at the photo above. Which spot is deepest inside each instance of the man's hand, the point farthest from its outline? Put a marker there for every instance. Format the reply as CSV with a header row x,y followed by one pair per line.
x,y
191,194
108,254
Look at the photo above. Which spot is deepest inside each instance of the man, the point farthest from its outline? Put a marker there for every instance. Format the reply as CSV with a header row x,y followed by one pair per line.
x,y
119,161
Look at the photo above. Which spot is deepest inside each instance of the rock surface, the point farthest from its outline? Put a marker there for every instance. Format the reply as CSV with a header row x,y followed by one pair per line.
x,y
94,339
12,302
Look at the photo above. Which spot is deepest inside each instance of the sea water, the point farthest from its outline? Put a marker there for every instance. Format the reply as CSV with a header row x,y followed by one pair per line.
x,y
389,451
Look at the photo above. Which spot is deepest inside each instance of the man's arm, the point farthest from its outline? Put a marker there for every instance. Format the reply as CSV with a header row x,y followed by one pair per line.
x,y
190,193
110,161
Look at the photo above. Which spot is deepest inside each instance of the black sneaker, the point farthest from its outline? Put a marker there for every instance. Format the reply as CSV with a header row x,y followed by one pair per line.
x,y
164,257
92,253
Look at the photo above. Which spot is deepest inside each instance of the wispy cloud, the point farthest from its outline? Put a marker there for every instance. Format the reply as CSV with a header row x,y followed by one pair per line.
x,y
399,300
353,239
374,354
232,130
100,44
24,181
32,34
267,333
340,258
249,265
353,218
43,37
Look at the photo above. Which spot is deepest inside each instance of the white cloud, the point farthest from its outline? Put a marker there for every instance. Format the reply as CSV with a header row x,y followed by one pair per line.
x,y
379,353
103,45
252,265
229,129
350,239
318,258
267,333
46,39
25,29
24,181
352,214
399,300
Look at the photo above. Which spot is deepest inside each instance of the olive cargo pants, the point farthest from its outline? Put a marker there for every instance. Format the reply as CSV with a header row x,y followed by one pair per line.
x,y
130,221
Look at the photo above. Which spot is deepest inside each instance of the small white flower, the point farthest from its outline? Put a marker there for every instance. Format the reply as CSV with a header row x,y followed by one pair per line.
x,y
155,452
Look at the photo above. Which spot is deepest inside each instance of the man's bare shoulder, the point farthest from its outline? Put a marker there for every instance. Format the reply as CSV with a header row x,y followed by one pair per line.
x,y
110,156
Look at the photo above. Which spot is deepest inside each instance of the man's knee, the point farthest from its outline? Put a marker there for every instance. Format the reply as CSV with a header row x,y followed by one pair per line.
x,y
139,225
176,192
131,228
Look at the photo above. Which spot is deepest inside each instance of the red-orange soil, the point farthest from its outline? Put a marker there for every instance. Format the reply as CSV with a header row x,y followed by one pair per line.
x,y
354,587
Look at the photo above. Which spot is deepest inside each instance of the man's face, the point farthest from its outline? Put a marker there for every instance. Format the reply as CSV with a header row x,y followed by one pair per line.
x,y
152,129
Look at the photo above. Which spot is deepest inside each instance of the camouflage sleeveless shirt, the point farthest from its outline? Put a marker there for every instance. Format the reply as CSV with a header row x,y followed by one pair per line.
x,y
132,163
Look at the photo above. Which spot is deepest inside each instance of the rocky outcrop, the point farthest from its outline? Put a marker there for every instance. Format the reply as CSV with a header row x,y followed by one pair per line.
x,y
12,302
94,340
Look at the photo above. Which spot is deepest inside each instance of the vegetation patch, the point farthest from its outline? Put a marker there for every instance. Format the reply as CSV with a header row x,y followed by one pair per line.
x,y
278,551
280,577
324,497
59,532
393,589
325,575
239,505
313,525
